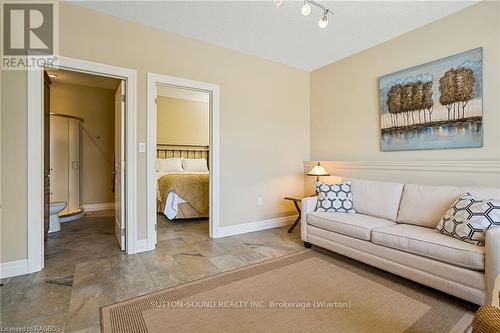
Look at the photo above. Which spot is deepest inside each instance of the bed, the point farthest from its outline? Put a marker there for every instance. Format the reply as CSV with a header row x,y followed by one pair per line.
x,y
182,181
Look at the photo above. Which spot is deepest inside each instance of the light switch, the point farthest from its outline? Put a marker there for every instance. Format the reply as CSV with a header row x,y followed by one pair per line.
x,y
142,147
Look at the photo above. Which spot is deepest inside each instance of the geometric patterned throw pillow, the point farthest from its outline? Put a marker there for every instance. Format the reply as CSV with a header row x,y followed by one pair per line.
x,y
469,218
334,197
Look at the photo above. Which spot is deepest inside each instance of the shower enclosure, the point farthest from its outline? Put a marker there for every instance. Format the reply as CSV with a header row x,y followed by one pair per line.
x,y
65,157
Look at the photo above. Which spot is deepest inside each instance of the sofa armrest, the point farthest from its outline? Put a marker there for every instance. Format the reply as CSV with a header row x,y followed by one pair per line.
x,y
308,205
492,260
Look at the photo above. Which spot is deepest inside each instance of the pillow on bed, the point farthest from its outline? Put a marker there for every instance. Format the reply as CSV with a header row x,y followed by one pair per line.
x,y
169,165
194,165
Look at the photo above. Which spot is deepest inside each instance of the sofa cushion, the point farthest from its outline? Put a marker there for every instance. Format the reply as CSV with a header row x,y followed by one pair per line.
x,y
379,199
428,243
354,225
424,205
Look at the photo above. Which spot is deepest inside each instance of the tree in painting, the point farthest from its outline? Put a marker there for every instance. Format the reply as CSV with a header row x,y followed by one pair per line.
x,y
465,87
457,89
428,102
448,88
394,103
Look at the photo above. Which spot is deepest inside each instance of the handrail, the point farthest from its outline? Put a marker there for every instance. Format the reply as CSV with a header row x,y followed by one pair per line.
x,y
67,116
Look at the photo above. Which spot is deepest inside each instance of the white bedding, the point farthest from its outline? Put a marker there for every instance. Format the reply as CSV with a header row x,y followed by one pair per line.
x,y
173,200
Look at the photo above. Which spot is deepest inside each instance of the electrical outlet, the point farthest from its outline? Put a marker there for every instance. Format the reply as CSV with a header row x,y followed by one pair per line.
x,y
259,201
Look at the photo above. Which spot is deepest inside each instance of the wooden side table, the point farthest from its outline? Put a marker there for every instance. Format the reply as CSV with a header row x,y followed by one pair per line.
x,y
296,201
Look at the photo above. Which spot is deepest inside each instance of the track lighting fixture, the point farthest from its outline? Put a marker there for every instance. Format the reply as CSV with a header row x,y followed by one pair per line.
x,y
307,8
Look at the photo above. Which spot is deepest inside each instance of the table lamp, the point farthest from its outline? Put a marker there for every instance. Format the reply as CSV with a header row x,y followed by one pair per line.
x,y
318,171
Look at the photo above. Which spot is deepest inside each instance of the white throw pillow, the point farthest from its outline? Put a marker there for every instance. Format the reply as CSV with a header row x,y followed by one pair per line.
x,y
469,218
169,165
194,165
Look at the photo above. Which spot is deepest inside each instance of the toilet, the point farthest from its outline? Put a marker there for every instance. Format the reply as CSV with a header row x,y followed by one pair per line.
x,y
55,208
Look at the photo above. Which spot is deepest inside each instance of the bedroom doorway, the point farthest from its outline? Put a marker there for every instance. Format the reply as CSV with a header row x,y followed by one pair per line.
x,y
182,159
182,154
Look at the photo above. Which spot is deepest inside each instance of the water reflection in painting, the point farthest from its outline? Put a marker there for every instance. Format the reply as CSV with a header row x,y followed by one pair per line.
x,y
455,135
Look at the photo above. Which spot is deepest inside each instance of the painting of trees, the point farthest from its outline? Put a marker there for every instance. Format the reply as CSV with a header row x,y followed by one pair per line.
x,y
413,101
434,105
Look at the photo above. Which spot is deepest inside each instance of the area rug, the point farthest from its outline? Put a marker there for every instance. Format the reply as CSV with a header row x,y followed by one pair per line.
x,y
310,291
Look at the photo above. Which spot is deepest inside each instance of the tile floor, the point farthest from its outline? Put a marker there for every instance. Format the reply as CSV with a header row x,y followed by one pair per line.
x,y
85,270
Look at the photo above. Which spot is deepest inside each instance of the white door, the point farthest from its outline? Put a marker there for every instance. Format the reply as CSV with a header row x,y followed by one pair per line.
x,y
119,165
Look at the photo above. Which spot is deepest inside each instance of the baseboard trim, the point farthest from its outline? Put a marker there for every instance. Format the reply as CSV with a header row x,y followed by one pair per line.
x,y
237,229
99,206
13,268
141,245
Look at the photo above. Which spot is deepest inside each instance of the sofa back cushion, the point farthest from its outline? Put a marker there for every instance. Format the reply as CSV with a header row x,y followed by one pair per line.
x,y
425,205
379,199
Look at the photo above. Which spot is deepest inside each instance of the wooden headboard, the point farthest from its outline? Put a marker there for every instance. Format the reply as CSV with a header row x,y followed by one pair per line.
x,y
167,150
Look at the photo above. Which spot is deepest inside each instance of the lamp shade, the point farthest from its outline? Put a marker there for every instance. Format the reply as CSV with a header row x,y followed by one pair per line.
x,y
318,170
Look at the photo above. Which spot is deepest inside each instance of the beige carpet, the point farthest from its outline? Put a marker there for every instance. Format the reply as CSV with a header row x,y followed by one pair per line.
x,y
306,292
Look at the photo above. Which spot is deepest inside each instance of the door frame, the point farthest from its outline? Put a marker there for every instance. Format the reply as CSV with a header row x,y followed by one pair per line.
x,y
35,246
214,158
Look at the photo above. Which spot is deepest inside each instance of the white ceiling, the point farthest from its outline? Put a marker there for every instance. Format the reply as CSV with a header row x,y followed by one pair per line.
x,y
182,93
283,34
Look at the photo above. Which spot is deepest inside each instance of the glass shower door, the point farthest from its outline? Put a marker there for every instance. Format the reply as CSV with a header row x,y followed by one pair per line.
x,y
65,162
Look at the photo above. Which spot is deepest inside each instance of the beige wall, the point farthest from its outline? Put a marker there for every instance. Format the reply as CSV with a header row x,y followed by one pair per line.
x,y
182,121
96,107
345,116
13,230
264,117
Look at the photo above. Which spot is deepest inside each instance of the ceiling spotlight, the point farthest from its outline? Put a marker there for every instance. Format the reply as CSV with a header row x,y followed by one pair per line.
x,y
279,3
53,75
306,9
323,22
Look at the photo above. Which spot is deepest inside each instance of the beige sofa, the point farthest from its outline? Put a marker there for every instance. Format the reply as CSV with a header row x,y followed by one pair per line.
x,y
393,229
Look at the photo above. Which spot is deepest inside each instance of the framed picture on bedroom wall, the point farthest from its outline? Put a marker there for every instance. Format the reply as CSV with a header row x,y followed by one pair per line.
x,y
437,105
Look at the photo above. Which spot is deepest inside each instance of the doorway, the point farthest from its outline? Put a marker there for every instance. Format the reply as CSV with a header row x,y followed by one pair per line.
x,y
182,155
204,158
36,145
85,150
